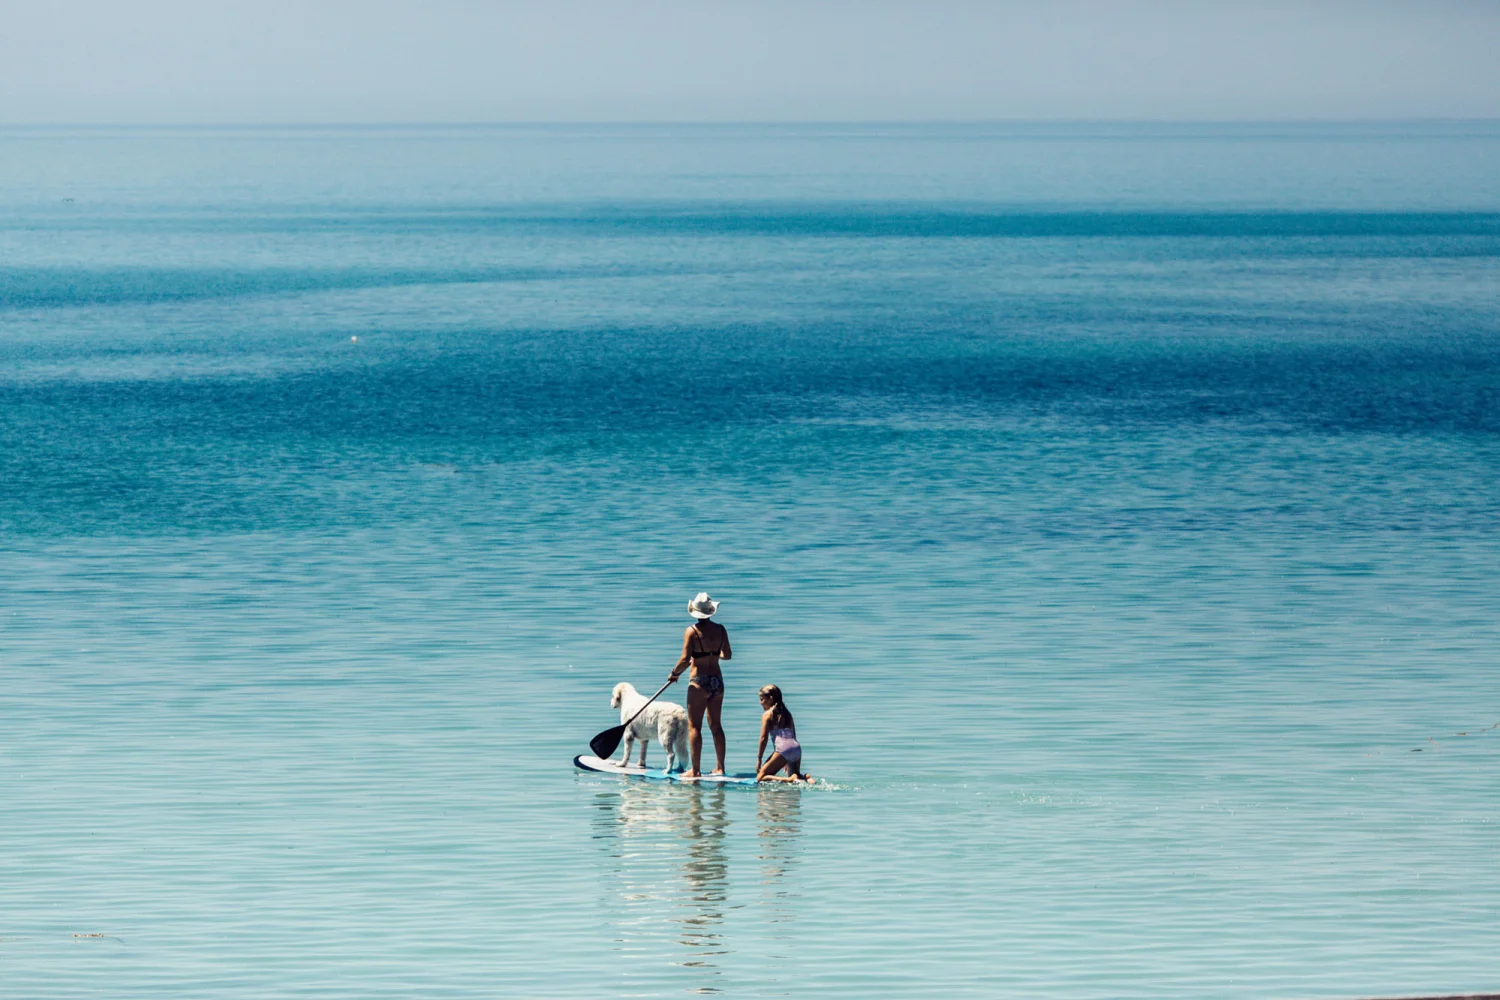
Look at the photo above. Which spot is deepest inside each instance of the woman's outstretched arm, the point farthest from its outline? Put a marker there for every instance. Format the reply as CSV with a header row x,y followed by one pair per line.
x,y
687,655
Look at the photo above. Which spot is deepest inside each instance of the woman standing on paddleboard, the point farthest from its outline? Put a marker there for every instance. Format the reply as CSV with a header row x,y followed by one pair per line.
x,y
704,644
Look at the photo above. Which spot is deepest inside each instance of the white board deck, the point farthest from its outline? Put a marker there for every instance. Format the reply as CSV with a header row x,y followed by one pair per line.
x,y
587,763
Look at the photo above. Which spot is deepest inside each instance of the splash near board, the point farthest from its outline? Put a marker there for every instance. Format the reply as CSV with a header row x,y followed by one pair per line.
x,y
586,763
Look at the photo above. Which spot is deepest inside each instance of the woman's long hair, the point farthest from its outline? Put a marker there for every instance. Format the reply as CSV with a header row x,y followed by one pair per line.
x,y
781,716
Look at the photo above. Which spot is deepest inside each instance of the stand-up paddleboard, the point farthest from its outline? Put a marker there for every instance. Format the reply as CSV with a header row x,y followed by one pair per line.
x,y
586,763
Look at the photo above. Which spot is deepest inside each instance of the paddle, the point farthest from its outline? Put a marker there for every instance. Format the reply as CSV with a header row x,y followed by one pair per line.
x,y
606,743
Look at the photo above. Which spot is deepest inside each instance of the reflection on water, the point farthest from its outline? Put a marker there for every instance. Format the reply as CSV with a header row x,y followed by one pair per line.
x,y
671,868
706,872
780,814
668,880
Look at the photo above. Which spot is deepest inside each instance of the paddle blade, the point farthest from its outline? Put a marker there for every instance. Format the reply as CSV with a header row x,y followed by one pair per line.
x,y
606,743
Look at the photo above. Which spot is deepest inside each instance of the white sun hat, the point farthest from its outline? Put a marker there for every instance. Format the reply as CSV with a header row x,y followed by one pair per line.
x,y
703,606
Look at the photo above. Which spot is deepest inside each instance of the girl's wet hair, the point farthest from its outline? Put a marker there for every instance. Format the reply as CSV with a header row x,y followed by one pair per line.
x,y
780,713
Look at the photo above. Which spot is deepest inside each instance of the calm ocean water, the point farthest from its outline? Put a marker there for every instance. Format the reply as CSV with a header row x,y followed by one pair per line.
x,y
1117,507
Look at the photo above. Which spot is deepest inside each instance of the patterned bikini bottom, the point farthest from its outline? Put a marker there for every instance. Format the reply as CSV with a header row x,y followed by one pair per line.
x,y
712,685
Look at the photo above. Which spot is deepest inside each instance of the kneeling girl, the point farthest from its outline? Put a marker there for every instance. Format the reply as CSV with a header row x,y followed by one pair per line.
x,y
778,726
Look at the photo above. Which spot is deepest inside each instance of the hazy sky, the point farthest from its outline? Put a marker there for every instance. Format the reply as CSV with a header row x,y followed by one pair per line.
x,y
674,60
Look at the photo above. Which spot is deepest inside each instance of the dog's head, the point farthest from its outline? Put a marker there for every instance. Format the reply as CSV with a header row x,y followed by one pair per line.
x,y
619,693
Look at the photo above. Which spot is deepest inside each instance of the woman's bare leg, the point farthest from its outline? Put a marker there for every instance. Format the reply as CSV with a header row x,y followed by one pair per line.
x,y
715,706
696,701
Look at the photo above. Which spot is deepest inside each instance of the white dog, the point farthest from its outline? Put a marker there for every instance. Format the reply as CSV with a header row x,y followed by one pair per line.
x,y
668,721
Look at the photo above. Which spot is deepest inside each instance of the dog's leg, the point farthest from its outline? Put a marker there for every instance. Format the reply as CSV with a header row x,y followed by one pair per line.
x,y
625,757
672,741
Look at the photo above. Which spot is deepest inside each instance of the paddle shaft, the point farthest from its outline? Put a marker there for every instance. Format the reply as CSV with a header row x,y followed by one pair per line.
x,y
670,682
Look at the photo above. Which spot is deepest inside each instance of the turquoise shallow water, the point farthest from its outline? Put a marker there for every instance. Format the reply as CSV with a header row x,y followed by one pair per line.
x,y
1116,507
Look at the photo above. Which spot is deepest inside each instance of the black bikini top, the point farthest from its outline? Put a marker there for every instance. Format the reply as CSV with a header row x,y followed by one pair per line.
x,y
706,652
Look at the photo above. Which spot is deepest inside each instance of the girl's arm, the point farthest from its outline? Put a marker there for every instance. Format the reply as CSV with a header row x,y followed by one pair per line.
x,y
760,751
725,653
